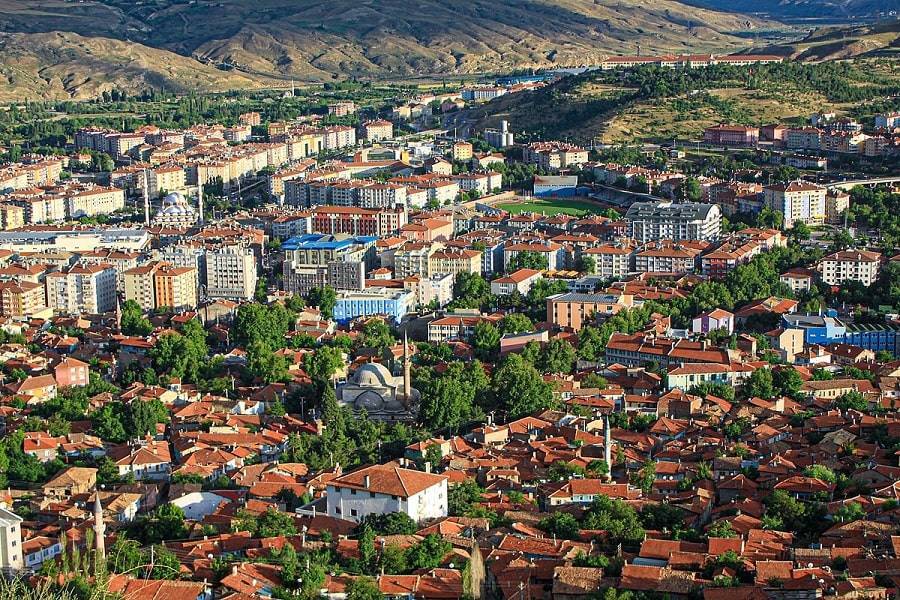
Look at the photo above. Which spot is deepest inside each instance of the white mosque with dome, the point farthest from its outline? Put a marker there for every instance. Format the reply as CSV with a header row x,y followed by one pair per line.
x,y
176,212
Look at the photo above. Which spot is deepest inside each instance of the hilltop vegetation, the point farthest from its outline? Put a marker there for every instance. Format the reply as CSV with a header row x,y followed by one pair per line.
x,y
654,103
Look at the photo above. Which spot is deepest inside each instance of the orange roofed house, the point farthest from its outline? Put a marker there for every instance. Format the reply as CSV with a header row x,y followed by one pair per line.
x,y
382,489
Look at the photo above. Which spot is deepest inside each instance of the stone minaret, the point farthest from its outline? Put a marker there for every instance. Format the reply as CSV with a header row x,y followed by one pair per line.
x,y
99,526
407,380
607,446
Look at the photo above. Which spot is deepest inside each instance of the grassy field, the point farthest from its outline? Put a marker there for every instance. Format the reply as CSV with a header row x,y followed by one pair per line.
x,y
552,206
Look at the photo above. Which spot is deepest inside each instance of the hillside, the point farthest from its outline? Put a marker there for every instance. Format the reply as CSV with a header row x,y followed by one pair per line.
x,y
830,43
127,44
807,10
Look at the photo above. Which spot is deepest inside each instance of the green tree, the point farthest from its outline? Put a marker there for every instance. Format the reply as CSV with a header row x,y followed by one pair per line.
x,y
274,523
363,588
325,299
107,424
852,400
165,523
515,323
558,357
586,264
448,399
562,525
528,260
165,565
760,384
429,553
377,334
721,529
849,512
322,364
788,382
395,523
259,323
616,517
262,362
821,472
124,556
590,344
486,340
133,321
518,388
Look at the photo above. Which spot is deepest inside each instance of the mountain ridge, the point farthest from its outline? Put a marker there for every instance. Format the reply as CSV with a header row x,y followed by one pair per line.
x,y
124,44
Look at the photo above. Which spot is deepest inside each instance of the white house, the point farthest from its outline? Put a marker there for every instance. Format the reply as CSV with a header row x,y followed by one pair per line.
x,y
383,489
197,505
39,549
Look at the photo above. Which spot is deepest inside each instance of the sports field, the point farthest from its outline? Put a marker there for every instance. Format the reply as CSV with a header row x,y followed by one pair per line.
x,y
552,206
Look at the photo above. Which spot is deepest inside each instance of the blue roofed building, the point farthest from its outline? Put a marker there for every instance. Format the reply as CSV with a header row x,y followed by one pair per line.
x,y
389,302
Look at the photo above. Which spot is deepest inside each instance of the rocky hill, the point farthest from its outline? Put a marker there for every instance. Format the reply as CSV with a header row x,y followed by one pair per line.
x,y
61,48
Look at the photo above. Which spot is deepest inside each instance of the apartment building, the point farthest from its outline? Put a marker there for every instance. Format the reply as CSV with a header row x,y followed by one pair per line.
x,y
552,251
11,216
175,287
668,257
315,260
554,156
412,259
573,310
652,221
82,289
377,130
22,298
731,136
797,201
39,206
231,273
456,327
354,221
391,303
483,183
11,554
454,261
462,151
850,265
836,203
140,287
94,200
611,260
519,281
803,138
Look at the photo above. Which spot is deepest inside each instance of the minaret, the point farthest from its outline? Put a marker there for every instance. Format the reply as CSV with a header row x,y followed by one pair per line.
x,y
607,446
146,173
407,380
200,207
99,526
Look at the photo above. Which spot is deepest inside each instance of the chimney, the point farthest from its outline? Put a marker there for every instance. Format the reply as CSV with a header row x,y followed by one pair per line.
x,y
367,481
234,569
427,467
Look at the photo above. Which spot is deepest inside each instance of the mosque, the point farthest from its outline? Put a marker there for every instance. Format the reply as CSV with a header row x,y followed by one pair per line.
x,y
176,213
384,397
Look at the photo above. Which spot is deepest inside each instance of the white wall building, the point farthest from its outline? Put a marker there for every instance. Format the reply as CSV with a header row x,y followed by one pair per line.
x,y
231,273
11,558
383,489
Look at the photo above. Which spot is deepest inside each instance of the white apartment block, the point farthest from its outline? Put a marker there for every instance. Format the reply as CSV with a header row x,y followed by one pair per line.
x,y
88,289
11,558
797,201
94,201
850,265
231,273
